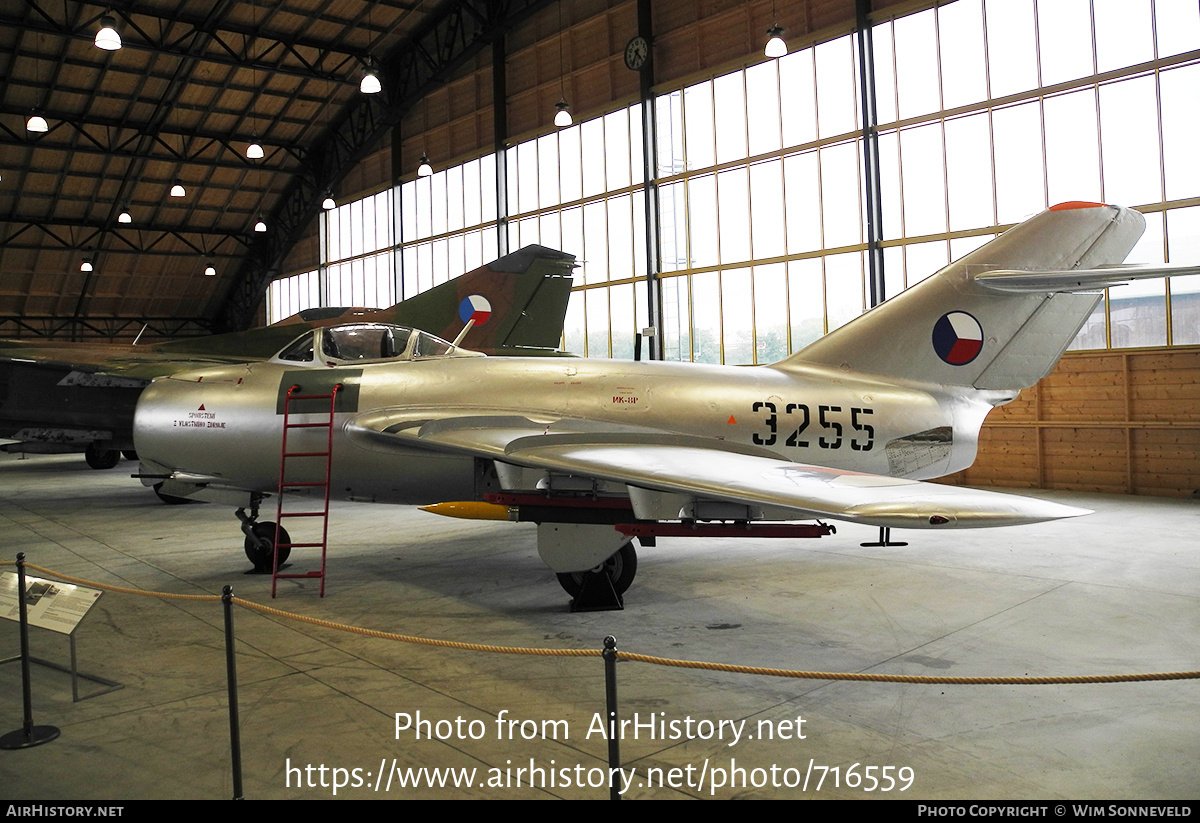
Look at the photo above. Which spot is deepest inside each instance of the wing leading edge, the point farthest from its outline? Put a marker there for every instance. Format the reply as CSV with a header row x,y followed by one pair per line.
x,y
703,468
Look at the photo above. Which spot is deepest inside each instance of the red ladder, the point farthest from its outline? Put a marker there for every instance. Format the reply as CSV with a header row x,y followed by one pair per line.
x,y
285,484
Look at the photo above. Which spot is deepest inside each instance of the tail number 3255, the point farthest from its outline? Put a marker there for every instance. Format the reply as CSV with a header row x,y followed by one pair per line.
x,y
829,429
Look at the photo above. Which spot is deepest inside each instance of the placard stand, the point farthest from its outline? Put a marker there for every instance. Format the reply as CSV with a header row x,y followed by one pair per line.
x,y
58,608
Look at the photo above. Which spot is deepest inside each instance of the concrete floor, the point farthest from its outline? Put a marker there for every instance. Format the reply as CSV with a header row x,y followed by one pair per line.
x,y
1115,592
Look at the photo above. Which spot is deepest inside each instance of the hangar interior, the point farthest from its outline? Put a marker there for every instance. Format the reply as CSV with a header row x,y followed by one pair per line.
x,y
739,205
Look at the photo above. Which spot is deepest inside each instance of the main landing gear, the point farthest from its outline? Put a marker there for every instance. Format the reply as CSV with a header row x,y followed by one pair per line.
x,y
602,588
260,541
99,458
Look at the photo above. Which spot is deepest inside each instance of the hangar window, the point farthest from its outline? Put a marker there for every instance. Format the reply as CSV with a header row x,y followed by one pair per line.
x,y
987,112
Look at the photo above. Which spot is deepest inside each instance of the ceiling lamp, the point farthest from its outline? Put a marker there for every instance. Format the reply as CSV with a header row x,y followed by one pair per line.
x,y
36,123
563,118
370,80
177,189
260,226
328,203
209,271
125,216
86,265
775,45
254,151
424,170
107,38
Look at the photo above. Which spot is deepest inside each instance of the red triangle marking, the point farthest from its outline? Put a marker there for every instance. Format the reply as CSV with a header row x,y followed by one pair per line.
x,y
731,420
201,407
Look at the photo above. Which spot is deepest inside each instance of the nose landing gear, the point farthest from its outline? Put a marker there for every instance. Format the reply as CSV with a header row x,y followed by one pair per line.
x,y
260,541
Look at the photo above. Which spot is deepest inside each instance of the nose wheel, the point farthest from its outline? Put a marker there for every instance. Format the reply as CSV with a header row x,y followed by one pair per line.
x,y
260,541
260,547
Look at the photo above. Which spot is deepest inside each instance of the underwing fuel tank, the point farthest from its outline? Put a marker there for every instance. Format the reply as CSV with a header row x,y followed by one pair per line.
x,y
223,426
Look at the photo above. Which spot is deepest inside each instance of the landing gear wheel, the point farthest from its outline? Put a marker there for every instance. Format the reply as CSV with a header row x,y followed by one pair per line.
x,y
620,568
99,458
263,557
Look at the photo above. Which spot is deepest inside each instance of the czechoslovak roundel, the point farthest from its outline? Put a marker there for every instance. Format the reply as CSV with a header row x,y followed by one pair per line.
x,y
475,307
957,338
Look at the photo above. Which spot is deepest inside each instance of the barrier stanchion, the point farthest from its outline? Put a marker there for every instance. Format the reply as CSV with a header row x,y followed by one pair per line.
x,y
235,738
28,735
610,703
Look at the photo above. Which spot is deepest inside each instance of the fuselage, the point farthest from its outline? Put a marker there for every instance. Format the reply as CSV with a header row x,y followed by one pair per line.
x,y
227,422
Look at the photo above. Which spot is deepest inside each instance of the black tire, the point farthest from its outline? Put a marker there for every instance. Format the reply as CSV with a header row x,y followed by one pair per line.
x,y
264,558
99,458
621,567
129,454
170,499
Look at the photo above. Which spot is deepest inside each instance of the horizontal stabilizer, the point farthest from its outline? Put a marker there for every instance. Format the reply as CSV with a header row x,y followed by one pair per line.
x,y
1033,282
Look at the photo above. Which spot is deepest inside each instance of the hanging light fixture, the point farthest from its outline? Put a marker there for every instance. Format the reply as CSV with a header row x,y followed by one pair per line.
x,y
261,225
424,169
177,189
86,265
562,117
775,45
370,80
124,216
328,203
36,123
254,151
107,38
209,270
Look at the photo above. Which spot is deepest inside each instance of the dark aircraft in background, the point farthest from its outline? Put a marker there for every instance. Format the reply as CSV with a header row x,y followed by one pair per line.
x,y
62,397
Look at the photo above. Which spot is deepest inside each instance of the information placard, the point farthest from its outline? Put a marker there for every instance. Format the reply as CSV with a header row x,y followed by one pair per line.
x,y
51,605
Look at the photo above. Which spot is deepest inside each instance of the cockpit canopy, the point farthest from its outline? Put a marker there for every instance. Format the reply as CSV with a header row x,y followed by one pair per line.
x,y
368,343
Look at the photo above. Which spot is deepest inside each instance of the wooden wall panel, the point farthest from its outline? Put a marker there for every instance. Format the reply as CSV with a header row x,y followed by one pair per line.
x,y
373,173
1165,460
1123,422
306,254
1012,458
1163,387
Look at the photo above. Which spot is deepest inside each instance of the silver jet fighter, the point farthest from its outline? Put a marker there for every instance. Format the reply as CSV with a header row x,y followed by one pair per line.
x,y
597,450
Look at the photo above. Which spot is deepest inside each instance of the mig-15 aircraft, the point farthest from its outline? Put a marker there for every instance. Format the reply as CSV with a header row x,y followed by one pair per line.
x,y
598,451
57,396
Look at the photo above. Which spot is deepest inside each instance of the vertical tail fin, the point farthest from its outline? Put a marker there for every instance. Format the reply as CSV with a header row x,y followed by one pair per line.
x,y
953,329
517,301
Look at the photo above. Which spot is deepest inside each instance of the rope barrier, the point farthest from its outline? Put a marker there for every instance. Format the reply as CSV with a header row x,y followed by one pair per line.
x,y
79,581
645,658
423,641
908,678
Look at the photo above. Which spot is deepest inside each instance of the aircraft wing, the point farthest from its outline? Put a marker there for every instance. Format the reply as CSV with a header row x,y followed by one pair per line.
x,y
704,468
125,366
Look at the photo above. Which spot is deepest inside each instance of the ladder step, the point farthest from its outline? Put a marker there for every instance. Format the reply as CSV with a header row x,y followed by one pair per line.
x,y
307,425
306,454
303,574
287,485
302,545
302,514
